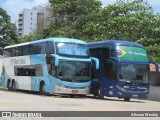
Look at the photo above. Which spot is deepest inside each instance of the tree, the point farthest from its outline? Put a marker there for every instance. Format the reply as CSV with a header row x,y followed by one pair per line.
x,y
70,17
152,40
131,20
7,30
123,20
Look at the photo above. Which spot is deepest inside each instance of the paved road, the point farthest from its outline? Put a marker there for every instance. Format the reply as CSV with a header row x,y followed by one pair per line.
x,y
31,101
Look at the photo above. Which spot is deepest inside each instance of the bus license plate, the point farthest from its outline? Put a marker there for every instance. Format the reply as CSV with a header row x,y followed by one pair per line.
x,y
74,91
135,95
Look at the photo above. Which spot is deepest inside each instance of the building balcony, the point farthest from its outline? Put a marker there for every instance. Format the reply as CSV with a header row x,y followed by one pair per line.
x,y
21,15
20,34
20,21
20,27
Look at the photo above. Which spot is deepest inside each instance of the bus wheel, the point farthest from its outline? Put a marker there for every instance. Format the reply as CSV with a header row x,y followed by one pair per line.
x,y
100,94
13,87
42,89
95,93
8,85
126,99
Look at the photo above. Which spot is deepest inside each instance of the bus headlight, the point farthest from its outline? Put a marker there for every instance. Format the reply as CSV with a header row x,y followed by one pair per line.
x,y
87,87
146,91
61,85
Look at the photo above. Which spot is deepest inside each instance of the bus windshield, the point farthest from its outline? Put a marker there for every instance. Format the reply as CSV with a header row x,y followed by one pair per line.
x,y
72,49
134,74
74,71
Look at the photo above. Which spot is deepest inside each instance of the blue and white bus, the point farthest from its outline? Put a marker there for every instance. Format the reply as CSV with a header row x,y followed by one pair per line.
x,y
123,70
53,65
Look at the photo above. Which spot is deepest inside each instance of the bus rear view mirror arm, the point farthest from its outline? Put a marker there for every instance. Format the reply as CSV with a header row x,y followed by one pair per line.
x,y
96,61
56,59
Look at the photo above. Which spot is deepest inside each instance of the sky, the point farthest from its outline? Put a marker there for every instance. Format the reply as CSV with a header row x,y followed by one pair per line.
x,y
13,7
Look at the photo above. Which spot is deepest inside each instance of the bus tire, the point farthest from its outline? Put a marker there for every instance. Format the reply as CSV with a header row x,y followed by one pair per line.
x,y
95,90
13,87
42,89
8,84
100,94
126,99
95,93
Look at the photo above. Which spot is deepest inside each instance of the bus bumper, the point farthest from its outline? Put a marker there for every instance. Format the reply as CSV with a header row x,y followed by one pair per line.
x,y
64,90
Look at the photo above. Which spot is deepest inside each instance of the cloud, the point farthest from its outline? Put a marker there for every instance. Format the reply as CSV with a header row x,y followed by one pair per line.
x,y
13,7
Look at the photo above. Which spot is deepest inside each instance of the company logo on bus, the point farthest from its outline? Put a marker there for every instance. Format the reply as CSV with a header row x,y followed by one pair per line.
x,y
121,53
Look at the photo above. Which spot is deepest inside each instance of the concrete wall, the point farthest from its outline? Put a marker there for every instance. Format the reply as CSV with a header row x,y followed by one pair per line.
x,y
155,78
0,68
154,93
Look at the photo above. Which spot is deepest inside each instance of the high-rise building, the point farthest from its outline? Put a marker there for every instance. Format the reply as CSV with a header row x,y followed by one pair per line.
x,y
33,19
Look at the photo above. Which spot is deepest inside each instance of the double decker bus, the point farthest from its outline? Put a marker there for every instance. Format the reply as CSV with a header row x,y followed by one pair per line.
x,y
123,72
53,65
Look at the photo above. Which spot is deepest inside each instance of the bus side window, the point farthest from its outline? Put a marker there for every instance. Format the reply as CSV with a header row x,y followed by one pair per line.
x,y
26,50
51,70
13,52
20,51
50,65
49,48
28,70
110,69
35,48
43,47
105,53
6,53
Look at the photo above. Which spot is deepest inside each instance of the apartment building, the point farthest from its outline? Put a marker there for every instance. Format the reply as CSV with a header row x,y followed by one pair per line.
x,y
33,19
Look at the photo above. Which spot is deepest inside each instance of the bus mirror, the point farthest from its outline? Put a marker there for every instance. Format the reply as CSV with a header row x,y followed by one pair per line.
x,y
153,66
96,62
50,59
56,59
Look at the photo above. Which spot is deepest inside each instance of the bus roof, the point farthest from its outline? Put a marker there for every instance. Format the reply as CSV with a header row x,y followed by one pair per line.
x,y
49,39
115,42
